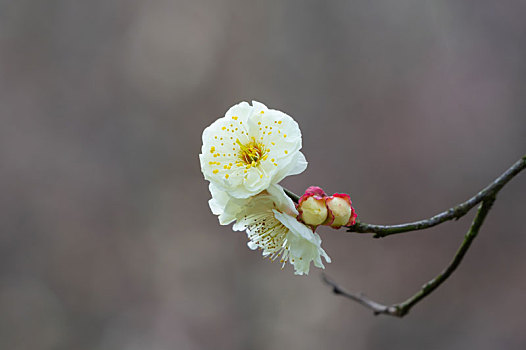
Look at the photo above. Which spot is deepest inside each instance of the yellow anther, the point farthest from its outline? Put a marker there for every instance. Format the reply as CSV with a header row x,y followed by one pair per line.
x,y
212,149
226,176
279,122
234,117
215,171
284,135
223,128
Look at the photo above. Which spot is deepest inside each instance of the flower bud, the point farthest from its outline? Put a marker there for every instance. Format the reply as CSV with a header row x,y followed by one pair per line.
x,y
312,208
341,212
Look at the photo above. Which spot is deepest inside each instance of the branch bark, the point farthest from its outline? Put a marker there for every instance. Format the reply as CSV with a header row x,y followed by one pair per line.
x,y
486,198
401,309
453,213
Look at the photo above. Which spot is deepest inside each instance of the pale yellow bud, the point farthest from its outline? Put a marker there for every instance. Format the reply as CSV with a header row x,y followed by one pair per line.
x,y
313,211
341,210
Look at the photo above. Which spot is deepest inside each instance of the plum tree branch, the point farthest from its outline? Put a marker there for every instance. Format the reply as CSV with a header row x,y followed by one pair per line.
x,y
401,309
455,212
486,197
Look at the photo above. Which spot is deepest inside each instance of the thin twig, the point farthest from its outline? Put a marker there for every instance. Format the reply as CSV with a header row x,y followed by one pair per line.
x,y
453,213
360,298
401,309
292,195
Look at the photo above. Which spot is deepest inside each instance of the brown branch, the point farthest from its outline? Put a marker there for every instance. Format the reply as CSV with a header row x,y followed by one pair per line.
x,y
453,213
401,309
486,197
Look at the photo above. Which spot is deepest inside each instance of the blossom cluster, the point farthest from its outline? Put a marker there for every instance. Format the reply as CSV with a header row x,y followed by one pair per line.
x,y
316,208
244,155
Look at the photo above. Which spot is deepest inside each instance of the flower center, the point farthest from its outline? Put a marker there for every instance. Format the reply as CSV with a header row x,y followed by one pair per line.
x,y
251,153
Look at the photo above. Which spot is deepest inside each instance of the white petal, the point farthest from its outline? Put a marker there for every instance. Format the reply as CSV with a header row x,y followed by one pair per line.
x,y
299,165
282,201
228,208
296,166
296,227
304,245
258,106
219,200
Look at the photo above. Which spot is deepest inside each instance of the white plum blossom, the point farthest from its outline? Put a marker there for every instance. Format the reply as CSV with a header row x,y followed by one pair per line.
x,y
269,220
250,148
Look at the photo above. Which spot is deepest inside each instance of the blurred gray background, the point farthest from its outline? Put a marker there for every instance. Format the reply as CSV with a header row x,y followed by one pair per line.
x,y
106,238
